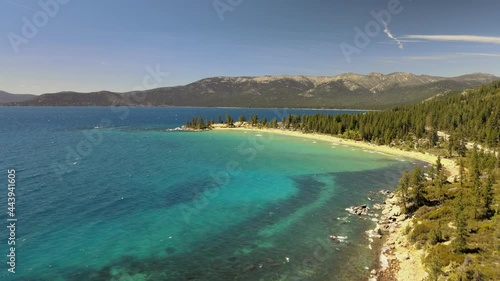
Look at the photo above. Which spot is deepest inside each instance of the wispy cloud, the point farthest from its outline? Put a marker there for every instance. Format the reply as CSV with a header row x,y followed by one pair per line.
x,y
442,57
479,54
389,34
456,38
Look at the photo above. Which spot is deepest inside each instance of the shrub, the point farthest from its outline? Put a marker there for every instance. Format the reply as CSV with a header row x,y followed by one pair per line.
x,y
423,210
444,254
424,232
434,236
407,229
438,213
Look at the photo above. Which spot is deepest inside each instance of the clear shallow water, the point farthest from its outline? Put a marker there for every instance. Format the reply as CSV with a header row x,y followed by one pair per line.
x,y
130,200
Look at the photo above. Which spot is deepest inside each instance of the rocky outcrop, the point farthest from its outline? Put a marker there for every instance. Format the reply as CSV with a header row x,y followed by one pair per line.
x,y
362,210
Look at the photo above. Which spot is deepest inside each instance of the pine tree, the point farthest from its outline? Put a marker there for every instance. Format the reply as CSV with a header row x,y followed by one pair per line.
x,y
461,149
451,145
242,118
496,221
432,138
431,172
461,171
460,242
229,120
274,123
475,174
439,166
439,182
254,119
488,194
403,188
417,183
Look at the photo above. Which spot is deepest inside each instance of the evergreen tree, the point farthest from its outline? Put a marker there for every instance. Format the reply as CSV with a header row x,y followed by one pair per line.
x,y
487,194
431,171
264,121
416,182
229,120
242,118
439,166
403,188
475,174
460,242
461,171
439,183
432,138
461,149
254,119
451,145
199,123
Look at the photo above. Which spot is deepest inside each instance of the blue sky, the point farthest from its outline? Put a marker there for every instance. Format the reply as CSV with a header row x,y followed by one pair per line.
x,y
88,45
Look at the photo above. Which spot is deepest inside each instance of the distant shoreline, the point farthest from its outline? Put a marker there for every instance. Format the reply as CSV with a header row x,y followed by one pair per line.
x,y
181,106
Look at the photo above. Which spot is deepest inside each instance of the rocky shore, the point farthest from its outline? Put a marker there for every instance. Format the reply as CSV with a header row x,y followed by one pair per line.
x,y
399,260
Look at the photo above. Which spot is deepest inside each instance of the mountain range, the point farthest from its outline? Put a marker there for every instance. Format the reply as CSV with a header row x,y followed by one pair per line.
x,y
8,97
348,90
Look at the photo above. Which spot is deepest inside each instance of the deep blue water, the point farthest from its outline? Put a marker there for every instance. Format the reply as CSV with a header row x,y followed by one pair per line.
x,y
113,194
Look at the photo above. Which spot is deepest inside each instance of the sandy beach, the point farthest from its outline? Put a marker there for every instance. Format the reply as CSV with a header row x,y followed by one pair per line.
x,y
399,260
448,164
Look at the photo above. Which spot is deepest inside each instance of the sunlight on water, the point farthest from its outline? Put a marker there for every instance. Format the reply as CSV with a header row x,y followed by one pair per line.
x,y
151,204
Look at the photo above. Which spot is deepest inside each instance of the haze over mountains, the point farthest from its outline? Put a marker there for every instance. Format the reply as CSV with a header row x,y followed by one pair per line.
x,y
8,97
349,90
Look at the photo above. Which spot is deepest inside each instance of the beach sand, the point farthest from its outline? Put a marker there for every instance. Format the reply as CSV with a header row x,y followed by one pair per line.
x,y
448,164
399,260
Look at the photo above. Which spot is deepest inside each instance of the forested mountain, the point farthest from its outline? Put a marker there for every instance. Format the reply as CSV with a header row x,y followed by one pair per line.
x,y
103,98
8,97
473,115
349,90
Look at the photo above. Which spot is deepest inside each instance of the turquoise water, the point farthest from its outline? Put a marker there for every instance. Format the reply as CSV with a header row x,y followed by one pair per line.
x,y
126,199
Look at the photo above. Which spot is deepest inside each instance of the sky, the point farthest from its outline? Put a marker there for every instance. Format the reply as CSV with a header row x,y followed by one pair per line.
x,y
122,45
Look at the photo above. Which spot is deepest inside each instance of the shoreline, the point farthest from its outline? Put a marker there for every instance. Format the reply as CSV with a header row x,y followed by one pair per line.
x,y
398,259
448,164
207,107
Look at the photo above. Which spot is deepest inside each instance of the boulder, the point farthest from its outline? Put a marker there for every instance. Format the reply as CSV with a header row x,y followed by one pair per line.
x,y
358,210
392,201
401,218
395,211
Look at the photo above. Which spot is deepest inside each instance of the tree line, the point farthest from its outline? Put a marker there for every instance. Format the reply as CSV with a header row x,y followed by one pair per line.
x,y
473,116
